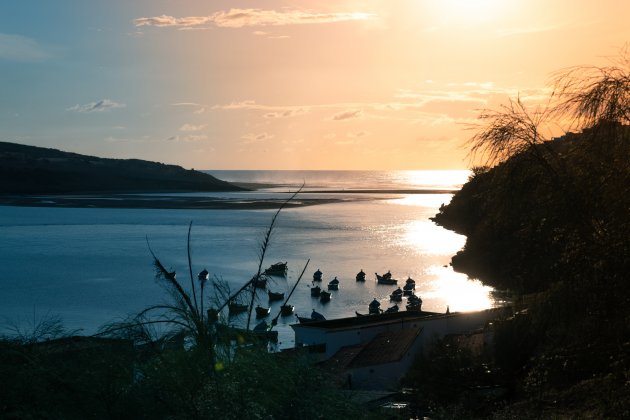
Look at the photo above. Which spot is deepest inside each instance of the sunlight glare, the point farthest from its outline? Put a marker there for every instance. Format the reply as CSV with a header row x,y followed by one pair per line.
x,y
457,291
426,238
470,11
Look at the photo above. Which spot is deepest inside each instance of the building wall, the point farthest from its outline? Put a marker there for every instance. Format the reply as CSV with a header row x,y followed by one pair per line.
x,y
434,327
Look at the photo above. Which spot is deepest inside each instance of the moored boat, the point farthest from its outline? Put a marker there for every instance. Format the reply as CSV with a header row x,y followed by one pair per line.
x,y
374,307
392,309
317,276
324,296
236,308
262,312
315,291
360,275
286,310
385,278
203,276
275,295
277,269
315,316
260,282
333,284
414,303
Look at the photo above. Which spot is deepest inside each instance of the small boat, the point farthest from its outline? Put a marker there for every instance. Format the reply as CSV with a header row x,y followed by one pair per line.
x,y
360,276
260,282
324,296
275,295
385,278
408,289
277,269
392,309
374,307
396,297
315,316
237,308
410,282
317,276
262,312
333,284
414,303
315,291
286,310
203,276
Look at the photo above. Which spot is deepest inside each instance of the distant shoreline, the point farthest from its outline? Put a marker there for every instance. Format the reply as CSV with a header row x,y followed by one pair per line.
x,y
167,201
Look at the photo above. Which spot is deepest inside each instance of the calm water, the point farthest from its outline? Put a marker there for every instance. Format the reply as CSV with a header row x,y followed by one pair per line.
x,y
92,266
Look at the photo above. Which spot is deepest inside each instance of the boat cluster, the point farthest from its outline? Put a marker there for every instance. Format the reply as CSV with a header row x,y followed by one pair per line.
x,y
414,302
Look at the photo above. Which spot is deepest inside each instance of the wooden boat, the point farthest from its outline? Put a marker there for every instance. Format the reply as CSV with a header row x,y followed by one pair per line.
x,y
374,307
277,269
333,284
275,295
324,296
410,282
315,316
315,291
385,278
203,276
317,276
237,308
286,310
392,309
262,312
260,282
396,297
414,303
360,276
408,289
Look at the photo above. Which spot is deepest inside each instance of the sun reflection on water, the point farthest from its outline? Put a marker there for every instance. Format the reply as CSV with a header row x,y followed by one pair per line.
x,y
457,291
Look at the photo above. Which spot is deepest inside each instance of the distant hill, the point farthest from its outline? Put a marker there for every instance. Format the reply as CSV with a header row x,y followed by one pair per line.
x,y
33,170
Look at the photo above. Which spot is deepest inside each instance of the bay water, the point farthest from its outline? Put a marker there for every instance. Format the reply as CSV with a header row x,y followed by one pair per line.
x,y
91,266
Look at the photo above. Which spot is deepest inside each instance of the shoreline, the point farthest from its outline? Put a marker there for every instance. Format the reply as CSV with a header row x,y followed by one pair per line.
x,y
167,201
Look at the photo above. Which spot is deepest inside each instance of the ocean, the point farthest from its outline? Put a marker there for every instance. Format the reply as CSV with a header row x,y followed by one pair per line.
x,y
91,266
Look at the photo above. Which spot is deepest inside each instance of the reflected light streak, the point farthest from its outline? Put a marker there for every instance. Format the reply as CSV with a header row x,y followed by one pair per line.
x,y
457,291
426,238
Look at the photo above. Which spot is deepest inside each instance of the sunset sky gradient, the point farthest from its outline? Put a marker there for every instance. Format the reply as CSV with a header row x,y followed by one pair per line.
x,y
270,84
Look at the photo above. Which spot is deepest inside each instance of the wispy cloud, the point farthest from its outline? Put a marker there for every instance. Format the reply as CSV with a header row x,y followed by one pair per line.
x,y
347,115
21,49
99,106
200,108
358,134
256,138
188,138
238,18
191,127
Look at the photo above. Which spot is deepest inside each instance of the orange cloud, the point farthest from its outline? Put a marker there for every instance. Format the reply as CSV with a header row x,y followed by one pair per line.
x,y
238,18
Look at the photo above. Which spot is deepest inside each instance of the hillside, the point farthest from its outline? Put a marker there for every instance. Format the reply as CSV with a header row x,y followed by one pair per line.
x,y
35,170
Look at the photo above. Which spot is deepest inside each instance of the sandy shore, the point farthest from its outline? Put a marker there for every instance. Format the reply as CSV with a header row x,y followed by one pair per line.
x,y
166,201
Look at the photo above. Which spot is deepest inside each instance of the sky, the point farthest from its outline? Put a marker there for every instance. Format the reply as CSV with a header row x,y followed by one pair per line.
x,y
272,84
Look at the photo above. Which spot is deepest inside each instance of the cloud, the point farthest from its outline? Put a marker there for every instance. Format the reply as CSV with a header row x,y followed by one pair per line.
x,y
273,111
188,138
102,105
190,127
256,138
347,115
21,49
359,134
285,113
200,107
239,18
